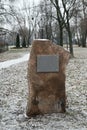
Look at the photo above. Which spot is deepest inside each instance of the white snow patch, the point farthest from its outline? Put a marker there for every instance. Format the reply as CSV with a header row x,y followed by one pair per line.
x,y
8,63
42,39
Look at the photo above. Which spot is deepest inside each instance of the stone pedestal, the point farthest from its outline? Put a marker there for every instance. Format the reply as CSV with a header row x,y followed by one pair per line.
x,y
46,81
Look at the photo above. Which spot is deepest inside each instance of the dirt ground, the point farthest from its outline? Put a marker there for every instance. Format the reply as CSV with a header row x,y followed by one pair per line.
x,y
14,90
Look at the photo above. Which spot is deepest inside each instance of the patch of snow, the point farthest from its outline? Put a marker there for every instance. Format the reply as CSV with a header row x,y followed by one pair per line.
x,y
8,63
42,39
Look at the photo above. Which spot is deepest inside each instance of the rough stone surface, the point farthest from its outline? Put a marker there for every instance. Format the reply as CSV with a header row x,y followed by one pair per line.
x,y
46,90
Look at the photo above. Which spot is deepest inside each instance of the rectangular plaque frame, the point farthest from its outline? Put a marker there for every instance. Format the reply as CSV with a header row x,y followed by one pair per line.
x,y
47,63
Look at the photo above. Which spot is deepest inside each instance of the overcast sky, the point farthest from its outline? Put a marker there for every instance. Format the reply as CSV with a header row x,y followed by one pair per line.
x,y
19,3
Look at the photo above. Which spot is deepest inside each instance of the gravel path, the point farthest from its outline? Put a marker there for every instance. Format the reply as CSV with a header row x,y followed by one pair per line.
x,y
13,54
13,98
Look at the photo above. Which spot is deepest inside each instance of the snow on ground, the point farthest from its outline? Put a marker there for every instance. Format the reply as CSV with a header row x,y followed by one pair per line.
x,y
8,63
13,98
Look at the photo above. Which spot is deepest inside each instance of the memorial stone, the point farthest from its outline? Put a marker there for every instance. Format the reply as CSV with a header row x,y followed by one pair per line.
x,y
46,78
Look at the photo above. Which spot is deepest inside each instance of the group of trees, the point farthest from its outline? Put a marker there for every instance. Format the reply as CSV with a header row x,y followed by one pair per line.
x,y
12,24
71,18
62,21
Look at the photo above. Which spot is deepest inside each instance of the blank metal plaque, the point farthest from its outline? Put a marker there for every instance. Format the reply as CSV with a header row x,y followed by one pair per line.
x,y
47,63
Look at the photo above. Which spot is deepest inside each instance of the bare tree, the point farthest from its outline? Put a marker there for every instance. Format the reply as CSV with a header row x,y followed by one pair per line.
x,y
59,19
6,16
64,11
83,23
45,19
48,19
83,28
69,13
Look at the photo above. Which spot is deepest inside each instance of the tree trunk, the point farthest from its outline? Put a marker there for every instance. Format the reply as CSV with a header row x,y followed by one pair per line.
x,y
61,36
67,25
84,40
70,40
47,35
